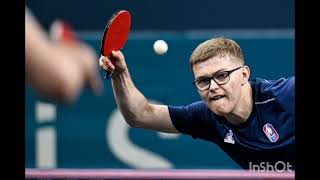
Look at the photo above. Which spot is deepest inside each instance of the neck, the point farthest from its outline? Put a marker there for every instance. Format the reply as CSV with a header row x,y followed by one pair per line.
x,y
243,110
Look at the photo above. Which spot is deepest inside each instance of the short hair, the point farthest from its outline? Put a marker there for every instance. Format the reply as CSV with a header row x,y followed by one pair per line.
x,y
216,47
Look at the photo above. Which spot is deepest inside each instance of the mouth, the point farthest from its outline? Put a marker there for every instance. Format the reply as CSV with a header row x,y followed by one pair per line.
x,y
217,97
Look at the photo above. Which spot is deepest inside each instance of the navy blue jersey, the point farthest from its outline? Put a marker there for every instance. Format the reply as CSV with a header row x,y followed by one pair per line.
x,y
267,136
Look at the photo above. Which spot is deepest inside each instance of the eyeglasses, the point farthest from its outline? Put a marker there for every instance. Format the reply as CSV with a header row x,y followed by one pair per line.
x,y
220,78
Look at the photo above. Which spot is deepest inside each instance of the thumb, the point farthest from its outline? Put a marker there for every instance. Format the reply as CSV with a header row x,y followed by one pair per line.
x,y
95,83
117,55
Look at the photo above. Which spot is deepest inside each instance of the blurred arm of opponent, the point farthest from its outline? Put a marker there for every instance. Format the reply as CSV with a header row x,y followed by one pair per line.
x,y
58,71
135,108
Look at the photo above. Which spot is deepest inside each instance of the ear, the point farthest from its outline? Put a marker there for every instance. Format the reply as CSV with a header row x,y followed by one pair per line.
x,y
245,74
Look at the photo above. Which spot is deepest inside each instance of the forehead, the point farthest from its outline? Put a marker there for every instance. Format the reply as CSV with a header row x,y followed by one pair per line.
x,y
213,65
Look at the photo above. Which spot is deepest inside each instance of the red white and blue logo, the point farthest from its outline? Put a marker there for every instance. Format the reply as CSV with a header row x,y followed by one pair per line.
x,y
270,132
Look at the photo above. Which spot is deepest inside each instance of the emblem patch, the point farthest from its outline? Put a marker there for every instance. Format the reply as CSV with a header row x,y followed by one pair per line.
x,y
229,138
270,132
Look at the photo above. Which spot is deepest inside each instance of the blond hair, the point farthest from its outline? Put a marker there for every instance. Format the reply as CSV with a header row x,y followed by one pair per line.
x,y
216,47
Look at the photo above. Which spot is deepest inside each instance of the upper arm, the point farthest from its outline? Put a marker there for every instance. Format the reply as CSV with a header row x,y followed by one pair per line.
x,y
193,120
157,117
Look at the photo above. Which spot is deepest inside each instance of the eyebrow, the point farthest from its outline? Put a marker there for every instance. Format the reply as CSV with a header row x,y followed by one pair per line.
x,y
204,77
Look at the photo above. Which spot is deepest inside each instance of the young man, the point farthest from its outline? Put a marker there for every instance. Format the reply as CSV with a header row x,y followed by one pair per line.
x,y
252,121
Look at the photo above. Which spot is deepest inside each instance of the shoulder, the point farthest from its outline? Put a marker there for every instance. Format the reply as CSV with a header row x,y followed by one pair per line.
x,y
198,105
267,84
191,108
281,90
274,87
194,119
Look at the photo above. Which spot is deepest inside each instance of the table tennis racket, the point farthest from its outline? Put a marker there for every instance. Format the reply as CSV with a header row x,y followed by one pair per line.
x,y
115,35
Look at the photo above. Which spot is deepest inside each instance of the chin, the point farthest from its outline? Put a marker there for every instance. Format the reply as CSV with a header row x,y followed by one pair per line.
x,y
219,110
219,113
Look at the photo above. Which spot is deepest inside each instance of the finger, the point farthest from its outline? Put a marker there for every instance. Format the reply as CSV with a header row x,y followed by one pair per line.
x,y
109,64
95,83
117,55
108,68
102,59
106,63
121,56
100,62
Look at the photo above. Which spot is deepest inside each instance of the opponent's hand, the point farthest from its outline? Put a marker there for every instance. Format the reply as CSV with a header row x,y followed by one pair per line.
x,y
115,64
88,57
84,58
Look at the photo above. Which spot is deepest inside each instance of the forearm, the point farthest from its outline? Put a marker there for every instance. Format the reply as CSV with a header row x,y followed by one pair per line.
x,y
133,105
135,108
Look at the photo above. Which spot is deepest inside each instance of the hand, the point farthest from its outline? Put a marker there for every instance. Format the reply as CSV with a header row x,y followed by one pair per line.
x,y
88,57
115,64
85,58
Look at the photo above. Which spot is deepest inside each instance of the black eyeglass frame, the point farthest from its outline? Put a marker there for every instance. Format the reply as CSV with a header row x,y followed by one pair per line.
x,y
213,77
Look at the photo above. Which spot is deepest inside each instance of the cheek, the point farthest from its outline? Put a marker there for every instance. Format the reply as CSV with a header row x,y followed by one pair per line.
x,y
234,91
203,95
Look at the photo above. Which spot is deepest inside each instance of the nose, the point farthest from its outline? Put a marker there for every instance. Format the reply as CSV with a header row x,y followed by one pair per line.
x,y
213,85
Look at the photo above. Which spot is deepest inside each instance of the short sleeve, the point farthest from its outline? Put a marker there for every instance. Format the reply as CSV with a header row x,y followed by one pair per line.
x,y
195,119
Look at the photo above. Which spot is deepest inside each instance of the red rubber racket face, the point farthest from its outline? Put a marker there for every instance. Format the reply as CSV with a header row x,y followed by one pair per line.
x,y
116,33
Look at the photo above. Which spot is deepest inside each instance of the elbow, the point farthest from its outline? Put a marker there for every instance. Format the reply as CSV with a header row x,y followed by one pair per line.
x,y
132,122
137,118
131,119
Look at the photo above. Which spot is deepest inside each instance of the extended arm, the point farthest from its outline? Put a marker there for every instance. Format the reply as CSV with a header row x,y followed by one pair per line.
x,y
135,108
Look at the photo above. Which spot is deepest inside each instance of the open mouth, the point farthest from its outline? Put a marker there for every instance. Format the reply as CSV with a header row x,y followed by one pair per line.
x,y
217,97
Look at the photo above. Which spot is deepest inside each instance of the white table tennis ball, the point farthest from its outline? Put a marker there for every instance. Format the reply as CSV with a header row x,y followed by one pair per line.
x,y
160,47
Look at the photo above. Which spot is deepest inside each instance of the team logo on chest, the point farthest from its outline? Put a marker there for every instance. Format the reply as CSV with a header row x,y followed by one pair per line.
x,y
270,132
229,138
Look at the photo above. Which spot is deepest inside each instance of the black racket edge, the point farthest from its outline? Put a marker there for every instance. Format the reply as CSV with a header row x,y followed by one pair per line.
x,y
107,74
106,30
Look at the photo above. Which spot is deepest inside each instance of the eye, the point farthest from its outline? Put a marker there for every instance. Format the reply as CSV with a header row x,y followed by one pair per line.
x,y
221,76
203,82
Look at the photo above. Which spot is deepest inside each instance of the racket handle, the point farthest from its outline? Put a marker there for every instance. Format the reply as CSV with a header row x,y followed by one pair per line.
x,y
107,76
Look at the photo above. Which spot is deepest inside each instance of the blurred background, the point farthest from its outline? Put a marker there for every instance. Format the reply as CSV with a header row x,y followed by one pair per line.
x,y
93,134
